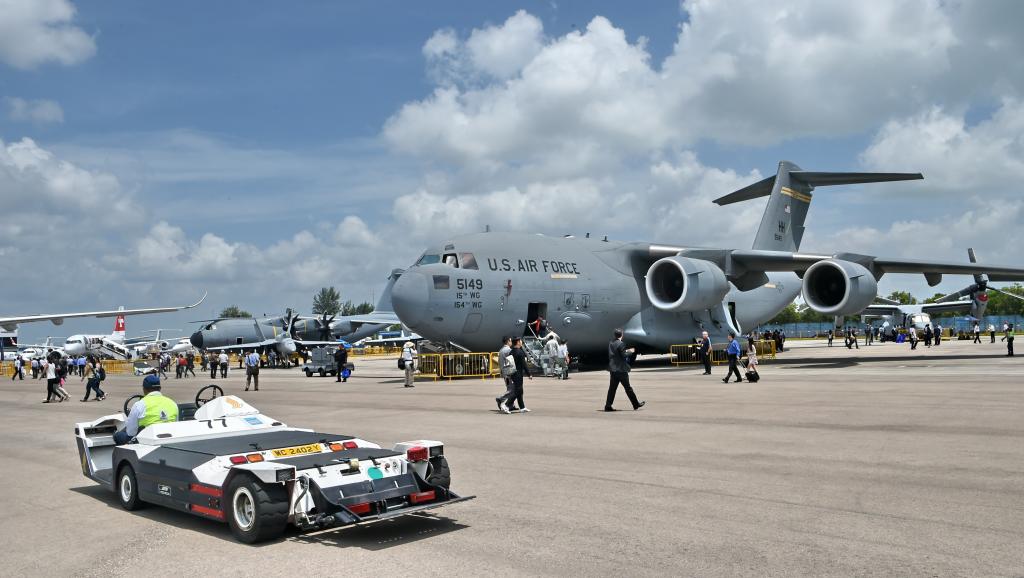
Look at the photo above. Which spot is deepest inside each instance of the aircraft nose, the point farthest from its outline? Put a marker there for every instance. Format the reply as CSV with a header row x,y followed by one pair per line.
x,y
196,340
409,297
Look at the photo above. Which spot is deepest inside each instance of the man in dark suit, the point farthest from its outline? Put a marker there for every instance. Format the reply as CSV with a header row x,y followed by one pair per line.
x,y
705,352
618,366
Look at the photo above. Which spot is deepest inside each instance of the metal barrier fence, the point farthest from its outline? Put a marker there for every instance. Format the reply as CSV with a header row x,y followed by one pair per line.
x,y
686,354
454,365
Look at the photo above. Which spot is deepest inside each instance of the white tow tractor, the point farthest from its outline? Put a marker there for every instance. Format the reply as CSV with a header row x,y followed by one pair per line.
x,y
225,461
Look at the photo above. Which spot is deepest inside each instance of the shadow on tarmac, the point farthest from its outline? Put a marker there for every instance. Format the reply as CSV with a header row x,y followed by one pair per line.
x,y
373,536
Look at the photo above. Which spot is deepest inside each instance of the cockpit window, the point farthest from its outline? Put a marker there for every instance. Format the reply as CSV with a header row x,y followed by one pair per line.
x,y
468,261
451,260
441,282
429,259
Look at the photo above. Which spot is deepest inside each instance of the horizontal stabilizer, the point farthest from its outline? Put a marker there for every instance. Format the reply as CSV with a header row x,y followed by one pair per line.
x,y
764,187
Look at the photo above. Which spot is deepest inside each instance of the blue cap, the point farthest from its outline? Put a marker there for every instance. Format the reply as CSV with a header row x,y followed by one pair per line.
x,y
151,381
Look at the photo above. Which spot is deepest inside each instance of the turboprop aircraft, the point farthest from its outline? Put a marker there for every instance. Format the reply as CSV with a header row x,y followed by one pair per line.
x,y
471,290
289,333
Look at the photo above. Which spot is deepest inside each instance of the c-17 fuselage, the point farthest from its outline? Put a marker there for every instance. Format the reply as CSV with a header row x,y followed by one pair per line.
x,y
479,287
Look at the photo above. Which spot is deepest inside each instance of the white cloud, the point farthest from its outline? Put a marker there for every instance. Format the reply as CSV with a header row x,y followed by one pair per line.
x,y
987,158
33,32
34,178
502,51
37,111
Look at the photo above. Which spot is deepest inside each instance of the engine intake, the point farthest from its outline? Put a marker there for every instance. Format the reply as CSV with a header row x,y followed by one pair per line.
x,y
836,287
684,284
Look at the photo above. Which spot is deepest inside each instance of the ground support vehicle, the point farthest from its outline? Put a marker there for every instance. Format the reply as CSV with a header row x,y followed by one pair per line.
x,y
226,461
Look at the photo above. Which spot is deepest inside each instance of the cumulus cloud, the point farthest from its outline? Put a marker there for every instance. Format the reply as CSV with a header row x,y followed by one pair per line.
x,y
33,32
986,158
33,177
37,111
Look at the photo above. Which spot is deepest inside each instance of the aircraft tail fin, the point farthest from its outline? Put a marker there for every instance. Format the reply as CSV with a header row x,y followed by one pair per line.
x,y
118,327
384,303
789,192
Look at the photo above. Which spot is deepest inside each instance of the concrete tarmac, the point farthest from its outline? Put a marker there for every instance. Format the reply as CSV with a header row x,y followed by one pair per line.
x,y
873,462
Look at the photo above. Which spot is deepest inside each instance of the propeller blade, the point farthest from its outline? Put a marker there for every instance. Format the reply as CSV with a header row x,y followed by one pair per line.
x,y
1014,295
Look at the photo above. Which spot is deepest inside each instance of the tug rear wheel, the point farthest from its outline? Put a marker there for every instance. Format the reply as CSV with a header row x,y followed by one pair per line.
x,y
255,511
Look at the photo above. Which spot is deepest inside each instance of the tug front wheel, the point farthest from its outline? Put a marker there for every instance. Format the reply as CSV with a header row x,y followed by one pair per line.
x,y
128,488
255,511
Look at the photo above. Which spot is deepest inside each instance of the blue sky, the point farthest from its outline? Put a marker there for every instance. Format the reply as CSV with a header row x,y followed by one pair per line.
x,y
260,150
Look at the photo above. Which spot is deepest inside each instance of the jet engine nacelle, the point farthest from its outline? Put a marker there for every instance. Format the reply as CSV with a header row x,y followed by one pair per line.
x,y
685,284
836,287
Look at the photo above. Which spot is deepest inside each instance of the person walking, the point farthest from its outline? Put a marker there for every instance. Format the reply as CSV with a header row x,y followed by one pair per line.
x,y
19,369
204,362
95,374
563,359
340,360
977,332
752,374
80,365
62,375
831,335
732,351
522,368
252,370
211,361
868,335
992,333
913,338
35,367
222,361
508,367
618,368
705,352
938,334
409,357
853,338
52,373
190,364
928,335
1008,338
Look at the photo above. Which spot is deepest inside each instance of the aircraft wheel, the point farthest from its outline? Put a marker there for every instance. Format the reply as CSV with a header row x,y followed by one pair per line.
x,y
128,488
255,512
309,372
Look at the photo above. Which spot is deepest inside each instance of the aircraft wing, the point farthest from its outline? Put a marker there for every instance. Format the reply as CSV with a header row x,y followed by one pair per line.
x,y
880,309
376,318
10,323
755,260
947,307
249,345
306,343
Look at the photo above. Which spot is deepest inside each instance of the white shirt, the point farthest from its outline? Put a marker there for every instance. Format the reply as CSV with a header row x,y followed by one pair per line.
x,y
51,370
223,358
408,352
563,351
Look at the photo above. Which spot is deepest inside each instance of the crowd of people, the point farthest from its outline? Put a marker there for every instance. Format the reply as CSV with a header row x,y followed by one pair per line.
x,y
57,370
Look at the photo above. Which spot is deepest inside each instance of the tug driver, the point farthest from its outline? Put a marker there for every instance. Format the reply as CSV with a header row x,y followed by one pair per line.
x,y
152,408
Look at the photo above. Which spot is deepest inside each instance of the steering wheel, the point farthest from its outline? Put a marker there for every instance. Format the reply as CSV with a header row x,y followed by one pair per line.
x,y
128,403
208,394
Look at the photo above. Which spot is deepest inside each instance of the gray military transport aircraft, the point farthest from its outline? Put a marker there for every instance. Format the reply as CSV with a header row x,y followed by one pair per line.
x,y
289,333
471,290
